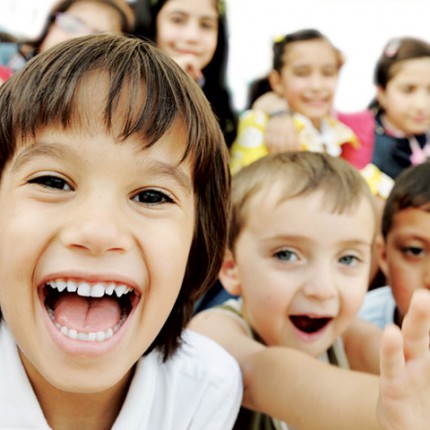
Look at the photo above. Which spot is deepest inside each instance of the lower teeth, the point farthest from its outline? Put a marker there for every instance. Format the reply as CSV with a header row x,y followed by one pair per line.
x,y
98,336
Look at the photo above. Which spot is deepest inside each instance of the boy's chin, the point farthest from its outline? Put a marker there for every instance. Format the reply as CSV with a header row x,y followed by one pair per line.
x,y
71,372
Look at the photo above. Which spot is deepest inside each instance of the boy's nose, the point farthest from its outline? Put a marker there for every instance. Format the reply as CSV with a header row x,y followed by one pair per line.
x,y
320,285
96,230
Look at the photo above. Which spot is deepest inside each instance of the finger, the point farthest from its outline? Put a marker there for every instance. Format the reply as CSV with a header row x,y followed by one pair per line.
x,y
194,72
392,361
416,325
188,63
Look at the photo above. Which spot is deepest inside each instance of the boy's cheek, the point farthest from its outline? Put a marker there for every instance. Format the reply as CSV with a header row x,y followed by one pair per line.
x,y
402,291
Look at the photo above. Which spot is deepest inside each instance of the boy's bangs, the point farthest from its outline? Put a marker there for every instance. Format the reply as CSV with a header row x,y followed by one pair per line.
x,y
69,91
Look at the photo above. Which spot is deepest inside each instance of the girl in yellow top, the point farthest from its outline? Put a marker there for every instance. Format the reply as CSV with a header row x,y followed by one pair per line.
x,y
305,74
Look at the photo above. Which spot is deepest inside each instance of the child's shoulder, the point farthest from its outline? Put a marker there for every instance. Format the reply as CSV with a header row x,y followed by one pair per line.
x,y
16,393
200,386
199,359
199,353
378,307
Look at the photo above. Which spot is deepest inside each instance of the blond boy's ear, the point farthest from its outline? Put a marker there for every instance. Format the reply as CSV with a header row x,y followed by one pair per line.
x,y
382,254
229,274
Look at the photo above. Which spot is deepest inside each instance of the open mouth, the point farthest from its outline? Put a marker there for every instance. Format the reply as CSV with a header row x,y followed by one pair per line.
x,y
308,324
91,312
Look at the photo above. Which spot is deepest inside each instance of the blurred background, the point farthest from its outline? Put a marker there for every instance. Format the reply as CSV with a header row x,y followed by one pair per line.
x,y
359,28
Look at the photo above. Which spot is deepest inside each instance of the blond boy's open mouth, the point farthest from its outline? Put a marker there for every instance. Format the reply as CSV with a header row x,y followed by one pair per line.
x,y
308,324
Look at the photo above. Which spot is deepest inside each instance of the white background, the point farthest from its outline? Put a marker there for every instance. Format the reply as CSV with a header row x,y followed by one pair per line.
x,y
359,28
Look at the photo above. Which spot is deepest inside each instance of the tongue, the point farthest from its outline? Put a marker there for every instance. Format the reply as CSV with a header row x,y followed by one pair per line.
x,y
87,314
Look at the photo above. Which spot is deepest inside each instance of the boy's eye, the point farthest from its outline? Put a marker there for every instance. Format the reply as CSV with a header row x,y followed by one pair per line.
x,y
286,255
152,197
413,251
50,181
348,260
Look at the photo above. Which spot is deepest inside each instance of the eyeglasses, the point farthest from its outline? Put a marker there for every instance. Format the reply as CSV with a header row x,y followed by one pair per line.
x,y
72,24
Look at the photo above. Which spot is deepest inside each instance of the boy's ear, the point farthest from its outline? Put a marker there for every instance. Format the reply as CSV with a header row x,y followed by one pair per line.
x,y
275,82
381,251
229,274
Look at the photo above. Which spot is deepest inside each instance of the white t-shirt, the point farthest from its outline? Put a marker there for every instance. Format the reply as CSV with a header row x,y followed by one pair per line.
x,y
378,307
199,388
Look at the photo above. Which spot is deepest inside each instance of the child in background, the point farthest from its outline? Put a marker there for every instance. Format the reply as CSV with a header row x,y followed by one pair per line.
x,y
397,127
394,133
304,75
404,247
301,282
402,120
5,74
194,34
69,19
111,198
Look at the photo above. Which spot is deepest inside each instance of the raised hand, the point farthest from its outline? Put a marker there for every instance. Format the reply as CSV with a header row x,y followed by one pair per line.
x,y
404,399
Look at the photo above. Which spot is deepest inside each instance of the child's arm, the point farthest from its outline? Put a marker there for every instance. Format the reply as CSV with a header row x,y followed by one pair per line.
x,y
281,133
291,385
277,383
306,393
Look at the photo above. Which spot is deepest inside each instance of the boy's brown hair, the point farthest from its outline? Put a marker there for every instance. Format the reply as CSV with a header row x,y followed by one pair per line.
x,y
411,190
47,92
299,173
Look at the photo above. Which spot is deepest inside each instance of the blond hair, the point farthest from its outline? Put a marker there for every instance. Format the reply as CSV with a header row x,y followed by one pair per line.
x,y
299,173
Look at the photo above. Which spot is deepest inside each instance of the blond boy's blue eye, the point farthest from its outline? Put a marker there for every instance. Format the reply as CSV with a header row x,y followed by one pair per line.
x,y
348,260
286,255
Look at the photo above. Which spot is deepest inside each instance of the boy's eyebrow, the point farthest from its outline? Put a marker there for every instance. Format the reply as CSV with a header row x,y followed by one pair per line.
x,y
174,171
349,242
42,149
37,150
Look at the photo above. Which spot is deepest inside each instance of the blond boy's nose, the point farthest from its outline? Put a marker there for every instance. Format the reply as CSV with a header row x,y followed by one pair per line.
x,y
320,285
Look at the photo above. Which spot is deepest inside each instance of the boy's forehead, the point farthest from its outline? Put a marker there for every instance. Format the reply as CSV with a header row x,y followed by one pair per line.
x,y
92,98
94,110
265,198
279,192
410,211
174,140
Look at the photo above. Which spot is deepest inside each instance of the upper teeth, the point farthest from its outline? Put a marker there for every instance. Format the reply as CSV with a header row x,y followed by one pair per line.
x,y
85,289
